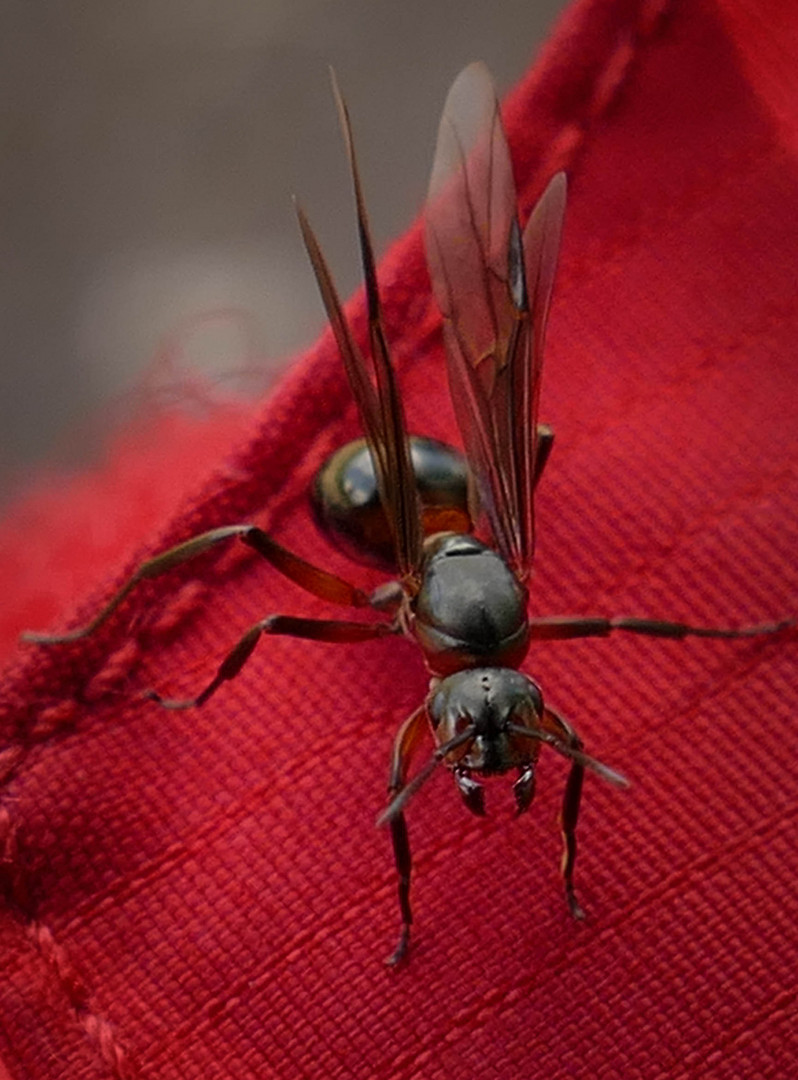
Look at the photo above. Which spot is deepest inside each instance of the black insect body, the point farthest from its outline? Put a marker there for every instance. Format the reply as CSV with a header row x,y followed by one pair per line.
x,y
346,499
470,609
462,601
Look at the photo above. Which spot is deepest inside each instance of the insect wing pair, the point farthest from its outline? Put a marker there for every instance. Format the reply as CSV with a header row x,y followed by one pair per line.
x,y
493,287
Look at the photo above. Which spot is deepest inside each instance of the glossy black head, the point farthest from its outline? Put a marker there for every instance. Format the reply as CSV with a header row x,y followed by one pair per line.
x,y
490,700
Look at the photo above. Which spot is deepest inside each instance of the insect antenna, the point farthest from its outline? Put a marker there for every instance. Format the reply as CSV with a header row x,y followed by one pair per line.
x,y
571,752
397,804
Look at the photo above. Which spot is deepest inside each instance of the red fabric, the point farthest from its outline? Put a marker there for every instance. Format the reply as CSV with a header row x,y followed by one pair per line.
x,y
204,894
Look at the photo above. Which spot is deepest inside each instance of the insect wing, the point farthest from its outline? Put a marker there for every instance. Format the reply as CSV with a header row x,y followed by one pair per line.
x,y
381,411
494,303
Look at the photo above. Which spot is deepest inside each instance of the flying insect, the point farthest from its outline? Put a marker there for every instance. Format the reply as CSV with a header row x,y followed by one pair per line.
x,y
462,599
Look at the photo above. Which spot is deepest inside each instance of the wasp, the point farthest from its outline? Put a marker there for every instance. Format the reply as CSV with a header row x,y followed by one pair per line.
x,y
461,599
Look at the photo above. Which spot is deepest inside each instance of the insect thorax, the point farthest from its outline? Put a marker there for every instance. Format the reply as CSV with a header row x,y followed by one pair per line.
x,y
471,610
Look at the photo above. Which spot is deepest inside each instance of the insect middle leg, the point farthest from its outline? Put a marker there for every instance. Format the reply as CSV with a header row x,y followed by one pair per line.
x,y
333,631
562,627
310,578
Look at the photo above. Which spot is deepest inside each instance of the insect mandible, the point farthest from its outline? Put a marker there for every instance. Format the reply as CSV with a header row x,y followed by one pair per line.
x,y
462,600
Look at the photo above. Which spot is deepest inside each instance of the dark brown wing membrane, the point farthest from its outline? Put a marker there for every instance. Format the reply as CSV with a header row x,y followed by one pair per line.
x,y
494,293
381,411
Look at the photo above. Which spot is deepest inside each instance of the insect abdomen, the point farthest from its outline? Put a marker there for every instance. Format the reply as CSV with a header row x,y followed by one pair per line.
x,y
347,506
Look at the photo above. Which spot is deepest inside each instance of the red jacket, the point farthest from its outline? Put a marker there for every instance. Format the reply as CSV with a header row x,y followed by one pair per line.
x,y
204,894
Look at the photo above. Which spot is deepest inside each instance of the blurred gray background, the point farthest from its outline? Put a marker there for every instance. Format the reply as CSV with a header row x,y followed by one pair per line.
x,y
149,155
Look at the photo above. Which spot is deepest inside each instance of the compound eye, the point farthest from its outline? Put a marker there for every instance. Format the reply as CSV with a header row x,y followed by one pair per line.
x,y
534,699
453,722
527,708
447,712
461,723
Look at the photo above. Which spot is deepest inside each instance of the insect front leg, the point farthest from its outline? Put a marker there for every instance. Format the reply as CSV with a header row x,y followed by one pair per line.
x,y
314,580
552,722
405,744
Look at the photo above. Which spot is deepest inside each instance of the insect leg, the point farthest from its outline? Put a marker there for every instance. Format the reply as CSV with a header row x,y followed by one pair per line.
x,y
543,447
311,578
405,744
560,627
572,797
328,630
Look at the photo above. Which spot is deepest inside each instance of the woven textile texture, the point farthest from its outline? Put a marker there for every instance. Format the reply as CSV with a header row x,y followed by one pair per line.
x,y
204,894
